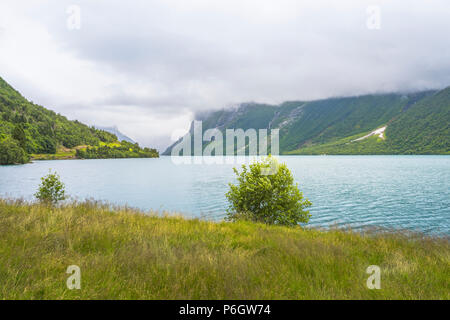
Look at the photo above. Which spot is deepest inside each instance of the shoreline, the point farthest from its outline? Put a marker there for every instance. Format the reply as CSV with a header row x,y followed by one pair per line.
x,y
334,226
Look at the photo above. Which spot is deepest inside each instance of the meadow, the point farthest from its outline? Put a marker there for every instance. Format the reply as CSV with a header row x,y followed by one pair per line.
x,y
124,253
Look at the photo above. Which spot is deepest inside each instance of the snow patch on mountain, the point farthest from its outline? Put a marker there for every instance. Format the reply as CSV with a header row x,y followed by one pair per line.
x,y
379,132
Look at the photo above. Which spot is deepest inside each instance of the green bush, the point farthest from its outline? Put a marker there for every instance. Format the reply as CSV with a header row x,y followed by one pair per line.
x,y
11,152
266,193
51,189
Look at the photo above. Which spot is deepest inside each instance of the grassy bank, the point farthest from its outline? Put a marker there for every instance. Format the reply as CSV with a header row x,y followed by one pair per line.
x,y
124,254
102,151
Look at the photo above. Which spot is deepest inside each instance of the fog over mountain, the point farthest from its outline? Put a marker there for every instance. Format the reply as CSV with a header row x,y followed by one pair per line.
x,y
149,66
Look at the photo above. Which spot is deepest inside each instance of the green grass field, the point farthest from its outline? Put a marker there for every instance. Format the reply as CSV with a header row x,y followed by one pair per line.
x,y
56,156
124,254
61,154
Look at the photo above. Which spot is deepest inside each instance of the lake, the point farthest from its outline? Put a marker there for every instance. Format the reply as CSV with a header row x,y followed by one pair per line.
x,y
409,192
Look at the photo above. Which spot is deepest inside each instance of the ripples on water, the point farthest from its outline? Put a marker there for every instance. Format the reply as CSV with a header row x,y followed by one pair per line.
x,y
411,192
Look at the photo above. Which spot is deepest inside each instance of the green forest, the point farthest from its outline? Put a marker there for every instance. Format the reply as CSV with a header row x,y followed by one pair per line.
x,y
30,131
123,150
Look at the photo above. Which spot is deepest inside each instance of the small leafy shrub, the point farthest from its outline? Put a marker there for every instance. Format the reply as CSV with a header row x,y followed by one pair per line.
x,y
51,189
267,198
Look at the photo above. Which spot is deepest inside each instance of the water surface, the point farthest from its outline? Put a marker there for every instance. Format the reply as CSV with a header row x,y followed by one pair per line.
x,y
411,192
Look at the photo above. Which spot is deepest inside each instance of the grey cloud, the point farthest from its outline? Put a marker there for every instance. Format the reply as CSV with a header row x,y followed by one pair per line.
x,y
181,57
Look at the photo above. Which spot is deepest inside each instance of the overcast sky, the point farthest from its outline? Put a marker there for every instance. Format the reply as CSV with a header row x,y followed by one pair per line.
x,y
148,66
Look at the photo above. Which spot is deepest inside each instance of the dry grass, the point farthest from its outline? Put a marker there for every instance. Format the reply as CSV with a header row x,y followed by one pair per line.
x,y
124,254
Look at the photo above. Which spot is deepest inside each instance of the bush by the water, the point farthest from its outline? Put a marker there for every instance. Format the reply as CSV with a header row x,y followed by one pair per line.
x,y
11,152
51,189
266,193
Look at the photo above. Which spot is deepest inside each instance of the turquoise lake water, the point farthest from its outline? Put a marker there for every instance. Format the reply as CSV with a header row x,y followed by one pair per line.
x,y
408,192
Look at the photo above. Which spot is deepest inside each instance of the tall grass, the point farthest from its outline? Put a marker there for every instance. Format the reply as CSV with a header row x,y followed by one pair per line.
x,y
125,254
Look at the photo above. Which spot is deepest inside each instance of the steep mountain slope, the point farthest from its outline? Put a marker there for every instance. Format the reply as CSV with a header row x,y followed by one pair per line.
x,y
331,126
37,130
43,128
326,120
423,128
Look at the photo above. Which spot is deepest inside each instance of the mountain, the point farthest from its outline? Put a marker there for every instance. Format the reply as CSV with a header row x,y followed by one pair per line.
x,y
415,123
28,129
115,131
423,128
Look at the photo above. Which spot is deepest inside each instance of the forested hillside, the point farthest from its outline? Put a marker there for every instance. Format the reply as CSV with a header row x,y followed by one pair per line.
x,y
27,129
416,123
423,128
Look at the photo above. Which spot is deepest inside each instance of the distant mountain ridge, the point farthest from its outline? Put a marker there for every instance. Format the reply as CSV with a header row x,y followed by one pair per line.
x,y
416,123
115,130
